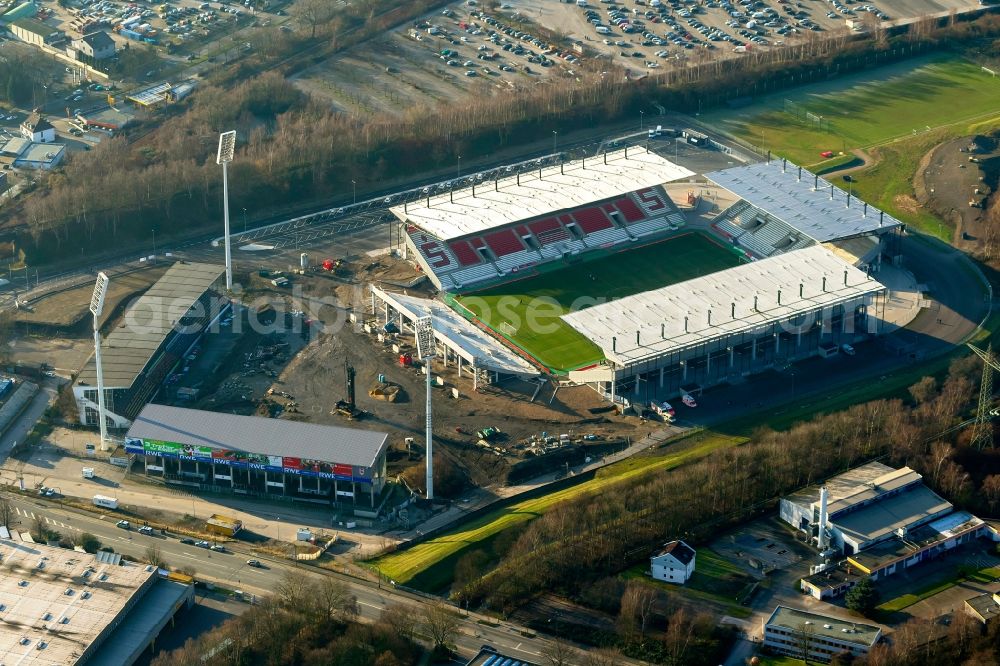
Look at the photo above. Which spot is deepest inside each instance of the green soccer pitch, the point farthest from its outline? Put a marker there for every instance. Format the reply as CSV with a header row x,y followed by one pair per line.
x,y
528,312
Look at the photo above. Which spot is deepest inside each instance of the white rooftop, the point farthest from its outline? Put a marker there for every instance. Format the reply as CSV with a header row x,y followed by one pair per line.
x,y
454,331
709,304
515,198
40,586
789,193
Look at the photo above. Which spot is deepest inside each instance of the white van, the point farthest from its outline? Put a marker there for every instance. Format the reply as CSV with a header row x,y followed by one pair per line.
x,y
87,472
603,30
581,3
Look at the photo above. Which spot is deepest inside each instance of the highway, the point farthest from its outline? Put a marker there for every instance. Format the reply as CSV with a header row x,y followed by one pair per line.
x,y
231,571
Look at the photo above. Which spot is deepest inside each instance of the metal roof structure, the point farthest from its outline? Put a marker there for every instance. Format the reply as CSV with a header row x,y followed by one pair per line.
x,y
732,301
886,515
151,96
880,485
260,435
459,335
146,325
57,603
806,202
839,486
824,626
492,204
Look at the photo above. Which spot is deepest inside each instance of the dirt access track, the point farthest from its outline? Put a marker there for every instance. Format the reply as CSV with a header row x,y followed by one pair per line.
x,y
955,174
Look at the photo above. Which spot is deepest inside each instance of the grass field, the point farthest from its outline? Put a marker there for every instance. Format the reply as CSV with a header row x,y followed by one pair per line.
x,y
868,109
715,580
429,565
533,306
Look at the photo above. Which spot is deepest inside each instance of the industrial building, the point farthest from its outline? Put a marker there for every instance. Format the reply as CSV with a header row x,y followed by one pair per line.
x,y
805,635
35,32
62,607
254,455
882,519
155,334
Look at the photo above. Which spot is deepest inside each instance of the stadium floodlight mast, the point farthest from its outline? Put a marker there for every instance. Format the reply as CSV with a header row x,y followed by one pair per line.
x,y
423,327
96,309
227,149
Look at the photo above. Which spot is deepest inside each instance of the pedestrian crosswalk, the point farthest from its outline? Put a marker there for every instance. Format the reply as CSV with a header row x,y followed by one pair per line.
x,y
30,515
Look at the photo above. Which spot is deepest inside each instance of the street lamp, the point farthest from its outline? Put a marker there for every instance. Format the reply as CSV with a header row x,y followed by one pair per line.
x,y
555,140
244,219
96,309
354,188
227,148
154,244
458,173
642,120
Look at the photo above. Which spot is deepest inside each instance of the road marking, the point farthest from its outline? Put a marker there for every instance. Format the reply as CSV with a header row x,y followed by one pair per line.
x,y
362,603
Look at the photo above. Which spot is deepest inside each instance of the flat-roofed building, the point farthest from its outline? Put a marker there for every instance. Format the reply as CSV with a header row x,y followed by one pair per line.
x,y
61,607
806,635
984,607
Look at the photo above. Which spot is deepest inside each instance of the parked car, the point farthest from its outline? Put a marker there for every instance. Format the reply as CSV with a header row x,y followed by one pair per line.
x,y
203,544
254,563
124,524
145,529
189,542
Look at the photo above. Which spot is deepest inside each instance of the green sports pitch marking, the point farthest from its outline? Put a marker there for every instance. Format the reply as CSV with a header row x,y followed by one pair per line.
x,y
527,312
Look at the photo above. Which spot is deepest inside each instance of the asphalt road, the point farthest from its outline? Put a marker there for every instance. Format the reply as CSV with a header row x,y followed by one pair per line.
x,y
26,421
231,571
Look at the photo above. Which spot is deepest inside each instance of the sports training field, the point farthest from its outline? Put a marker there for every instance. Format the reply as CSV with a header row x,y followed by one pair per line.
x,y
866,109
528,311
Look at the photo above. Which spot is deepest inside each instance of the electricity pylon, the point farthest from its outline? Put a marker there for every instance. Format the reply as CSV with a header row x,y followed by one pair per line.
x,y
982,429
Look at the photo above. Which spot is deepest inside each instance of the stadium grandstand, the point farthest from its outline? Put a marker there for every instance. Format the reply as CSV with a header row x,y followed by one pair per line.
x,y
153,337
782,208
489,232
656,281
728,324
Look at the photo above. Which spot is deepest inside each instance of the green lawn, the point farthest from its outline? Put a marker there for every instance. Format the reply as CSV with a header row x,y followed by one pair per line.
x,y
533,306
715,579
434,559
868,109
937,586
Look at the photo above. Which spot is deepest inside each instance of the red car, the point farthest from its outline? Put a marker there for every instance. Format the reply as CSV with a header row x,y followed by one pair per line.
x,y
827,154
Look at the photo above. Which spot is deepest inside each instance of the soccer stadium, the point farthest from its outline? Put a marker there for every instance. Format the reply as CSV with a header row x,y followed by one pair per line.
x,y
643,279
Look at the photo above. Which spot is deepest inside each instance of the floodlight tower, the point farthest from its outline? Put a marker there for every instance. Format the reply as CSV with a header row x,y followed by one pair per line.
x,y
96,309
227,148
424,329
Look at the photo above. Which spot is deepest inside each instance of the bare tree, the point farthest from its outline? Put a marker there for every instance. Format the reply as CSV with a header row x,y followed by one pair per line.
x,y
38,530
155,557
402,620
6,511
603,657
559,653
314,12
440,623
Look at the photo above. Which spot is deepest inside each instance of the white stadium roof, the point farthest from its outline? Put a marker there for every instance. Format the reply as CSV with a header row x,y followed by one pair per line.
x,y
777,188
491,204
714,297
459,335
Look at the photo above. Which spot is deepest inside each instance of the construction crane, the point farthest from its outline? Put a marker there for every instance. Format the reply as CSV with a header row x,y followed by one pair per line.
x,y
982,429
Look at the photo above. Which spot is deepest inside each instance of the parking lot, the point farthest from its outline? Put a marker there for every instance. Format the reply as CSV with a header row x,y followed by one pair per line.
x,y
465,50
446,55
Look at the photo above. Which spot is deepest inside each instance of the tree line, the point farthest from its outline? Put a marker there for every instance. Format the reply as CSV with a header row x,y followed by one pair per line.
x,y
580,542
293,149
